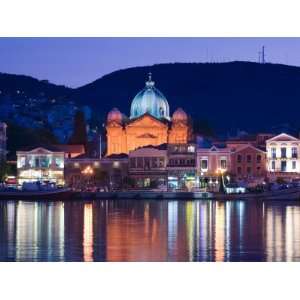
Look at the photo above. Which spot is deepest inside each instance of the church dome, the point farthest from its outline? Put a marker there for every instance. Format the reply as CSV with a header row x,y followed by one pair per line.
x,y
179,115
114,115
150,100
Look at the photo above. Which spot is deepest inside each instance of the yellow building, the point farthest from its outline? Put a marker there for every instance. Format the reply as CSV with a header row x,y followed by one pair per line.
x,y
149,123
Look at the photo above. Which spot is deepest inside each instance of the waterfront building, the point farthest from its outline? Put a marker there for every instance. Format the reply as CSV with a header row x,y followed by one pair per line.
x,y
3,139
248,162
147,167
212,161
181,166
43,164
108,173
283,157
149,123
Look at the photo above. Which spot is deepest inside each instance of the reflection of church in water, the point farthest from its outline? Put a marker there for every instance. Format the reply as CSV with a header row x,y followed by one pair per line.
x,y
149,123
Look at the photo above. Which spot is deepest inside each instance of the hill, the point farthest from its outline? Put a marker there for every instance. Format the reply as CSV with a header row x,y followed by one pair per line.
x,y
243,95
236,95
31,87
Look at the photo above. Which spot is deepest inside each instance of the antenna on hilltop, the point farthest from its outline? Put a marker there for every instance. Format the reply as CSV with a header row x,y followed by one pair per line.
x,y
262,56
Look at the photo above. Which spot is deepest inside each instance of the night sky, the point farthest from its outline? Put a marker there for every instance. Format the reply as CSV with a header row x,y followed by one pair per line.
x,y
78,61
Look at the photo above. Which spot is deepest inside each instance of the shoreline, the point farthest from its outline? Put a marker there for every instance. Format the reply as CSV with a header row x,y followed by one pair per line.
x,y
292,194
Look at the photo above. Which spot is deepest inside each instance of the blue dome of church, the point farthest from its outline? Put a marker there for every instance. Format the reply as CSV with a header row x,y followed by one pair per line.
x,y
150,100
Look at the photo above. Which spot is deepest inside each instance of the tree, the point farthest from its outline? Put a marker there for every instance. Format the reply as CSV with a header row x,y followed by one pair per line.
x,y
6,170
79,136
19,137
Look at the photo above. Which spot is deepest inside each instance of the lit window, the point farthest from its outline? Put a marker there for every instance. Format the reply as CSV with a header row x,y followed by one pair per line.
x,y
191,148
223,164
147,182
204,164
273,152
21,162
59,162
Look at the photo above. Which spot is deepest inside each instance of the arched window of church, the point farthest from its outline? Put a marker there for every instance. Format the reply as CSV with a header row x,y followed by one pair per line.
x,y
161,111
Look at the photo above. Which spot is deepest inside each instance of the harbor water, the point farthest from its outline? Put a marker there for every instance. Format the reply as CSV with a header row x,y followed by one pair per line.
x,y
149,230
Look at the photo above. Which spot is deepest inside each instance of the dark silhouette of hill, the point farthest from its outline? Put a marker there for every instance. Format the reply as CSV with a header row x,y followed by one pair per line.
x,y
10,84
243,95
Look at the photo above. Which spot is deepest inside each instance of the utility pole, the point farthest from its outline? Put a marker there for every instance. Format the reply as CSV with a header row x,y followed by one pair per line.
x,y
263,60
262,56
100,146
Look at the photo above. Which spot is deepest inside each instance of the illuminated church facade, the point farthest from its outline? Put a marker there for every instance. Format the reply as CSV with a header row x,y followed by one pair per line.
x,y
149,123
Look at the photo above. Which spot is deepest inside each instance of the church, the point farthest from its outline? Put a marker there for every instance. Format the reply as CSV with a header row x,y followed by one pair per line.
x,y
149,123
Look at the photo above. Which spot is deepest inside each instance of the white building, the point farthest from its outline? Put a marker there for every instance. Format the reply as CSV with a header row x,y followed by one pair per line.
x,y
283,156
40,164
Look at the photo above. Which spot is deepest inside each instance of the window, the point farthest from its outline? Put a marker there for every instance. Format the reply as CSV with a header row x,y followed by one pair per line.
x,y
283,166
191,148
239,158
283,152
204,164
248,170
294,152
44,162
133,162
21,162
273,165
139,162
273,152
258,159
59,162
239,170
147,182
294,165
147,163
223,164
161,162
249,158
154,162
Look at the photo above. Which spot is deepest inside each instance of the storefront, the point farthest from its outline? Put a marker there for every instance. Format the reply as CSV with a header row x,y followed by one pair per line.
x,y
182,180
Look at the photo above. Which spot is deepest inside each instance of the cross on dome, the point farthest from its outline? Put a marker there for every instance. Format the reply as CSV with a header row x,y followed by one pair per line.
x,y
150,83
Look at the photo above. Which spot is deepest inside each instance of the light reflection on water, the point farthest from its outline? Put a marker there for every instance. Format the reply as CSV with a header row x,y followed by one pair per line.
x,y
136,230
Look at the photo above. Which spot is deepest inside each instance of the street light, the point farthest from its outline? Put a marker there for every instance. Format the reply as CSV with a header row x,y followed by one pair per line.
x,y
88,171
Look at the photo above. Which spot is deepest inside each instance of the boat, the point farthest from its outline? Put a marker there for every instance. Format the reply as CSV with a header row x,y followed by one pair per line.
x,y
53,194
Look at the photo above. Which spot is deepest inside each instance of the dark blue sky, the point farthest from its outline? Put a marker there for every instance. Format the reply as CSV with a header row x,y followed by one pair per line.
x,y
77,61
